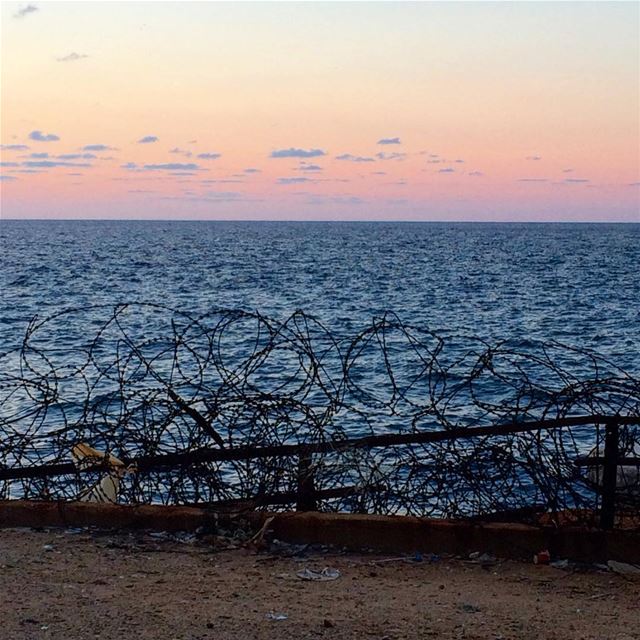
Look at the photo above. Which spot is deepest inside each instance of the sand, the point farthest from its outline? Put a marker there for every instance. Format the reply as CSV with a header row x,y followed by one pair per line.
x,y
60,584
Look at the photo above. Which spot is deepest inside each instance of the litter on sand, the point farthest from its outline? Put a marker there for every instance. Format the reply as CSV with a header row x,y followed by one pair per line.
x,y
274,615
322,576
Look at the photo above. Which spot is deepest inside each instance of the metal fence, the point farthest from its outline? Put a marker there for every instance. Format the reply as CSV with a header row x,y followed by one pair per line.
x,y
232,407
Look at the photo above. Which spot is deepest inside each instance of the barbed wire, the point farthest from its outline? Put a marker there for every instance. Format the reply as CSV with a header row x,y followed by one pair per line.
x,y
141,379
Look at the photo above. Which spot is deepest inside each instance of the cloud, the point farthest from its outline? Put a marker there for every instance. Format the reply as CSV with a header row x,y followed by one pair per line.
x,y
72,57
389,141
222,181
98,147
433,161
576,180
476,173
43,137
534,157
309,167
459,161
9,164
567,171
21,13
8,178
209,156
351,158
76,156
14,147
148,139
633,184
378,173
532,180
340,200
297,153
447,170
252,170
293,180
48,164
168,166
391,156
38,155
182,152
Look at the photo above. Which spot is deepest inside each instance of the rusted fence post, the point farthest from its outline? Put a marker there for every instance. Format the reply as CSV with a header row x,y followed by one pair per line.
x,y
609,475
306,499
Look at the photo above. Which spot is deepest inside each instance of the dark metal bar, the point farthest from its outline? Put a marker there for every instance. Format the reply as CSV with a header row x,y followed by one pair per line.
x,y
146,464
306,498
608,510
589,461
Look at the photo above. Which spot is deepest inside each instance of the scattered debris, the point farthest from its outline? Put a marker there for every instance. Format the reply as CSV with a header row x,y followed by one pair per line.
x,y
485,560
321,576
623,568
274,615
542,557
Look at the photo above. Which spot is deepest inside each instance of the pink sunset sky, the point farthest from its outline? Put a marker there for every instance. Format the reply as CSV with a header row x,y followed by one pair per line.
x,y
334,111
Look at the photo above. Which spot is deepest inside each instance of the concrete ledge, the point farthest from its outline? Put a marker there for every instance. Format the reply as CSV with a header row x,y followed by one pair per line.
x,y
381,533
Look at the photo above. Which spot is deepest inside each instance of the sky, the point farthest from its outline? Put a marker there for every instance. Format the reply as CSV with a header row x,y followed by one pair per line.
x,y
523,111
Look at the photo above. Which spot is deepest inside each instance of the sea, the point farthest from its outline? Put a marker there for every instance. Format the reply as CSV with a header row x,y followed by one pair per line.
x,y
526,285
574,283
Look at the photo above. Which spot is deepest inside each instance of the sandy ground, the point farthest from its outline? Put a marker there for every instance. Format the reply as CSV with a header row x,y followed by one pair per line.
x,y
78,584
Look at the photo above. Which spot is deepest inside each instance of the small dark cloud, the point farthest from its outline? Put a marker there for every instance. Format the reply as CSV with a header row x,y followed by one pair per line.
x,y
532,180
293,180
14,147
141,191
567,171
181,174
148,139
351,158
76,174
534,158
209,156
42,155
49,164
433,161
25,11
9,164
633,184
7,178
476,173
391,156
309,167
72,57
459,161
98,147
378,173
172,166
76,156
43,137
447,170
389,141
576,180
297,153
182,152
252,170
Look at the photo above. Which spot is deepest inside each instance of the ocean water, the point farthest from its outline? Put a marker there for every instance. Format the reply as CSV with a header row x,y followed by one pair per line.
x,y
526,284
575,283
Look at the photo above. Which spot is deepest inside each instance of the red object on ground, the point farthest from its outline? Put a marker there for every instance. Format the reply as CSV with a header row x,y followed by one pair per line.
x,y
542,557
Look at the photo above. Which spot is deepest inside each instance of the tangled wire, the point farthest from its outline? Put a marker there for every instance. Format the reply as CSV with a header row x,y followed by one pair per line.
x,y
149,381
